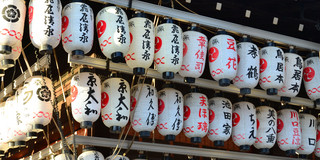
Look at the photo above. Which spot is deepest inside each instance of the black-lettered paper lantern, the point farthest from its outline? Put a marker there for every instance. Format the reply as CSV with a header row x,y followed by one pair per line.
x,y
77,28
308,125
113,33
317,148
8,60
311,77
223,58
90,154
85,97
12,24
3,130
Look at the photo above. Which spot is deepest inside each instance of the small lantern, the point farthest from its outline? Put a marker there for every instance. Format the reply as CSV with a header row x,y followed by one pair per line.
x,y
271,68
3,130
113,33
194,54
145,112
118,157
85,97
89,153
12,24
223,58
8,60
248,66
77,28
311,76
141,52
115,103
220,120
45,24
308,134
266,128
317,148
170,105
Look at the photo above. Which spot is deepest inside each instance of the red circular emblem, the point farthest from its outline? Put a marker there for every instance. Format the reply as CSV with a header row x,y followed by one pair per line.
x,y
213,54
65,23
308,74
131,37
258,124
279,125
263,65
74,93
133,103
161,106
318,135
101,27
186,111
211,115
30,14
235,119
104,99
185,49
158,44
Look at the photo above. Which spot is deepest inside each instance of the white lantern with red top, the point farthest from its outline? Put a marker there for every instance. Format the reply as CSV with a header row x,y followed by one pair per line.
x,y
113,33
85,97
266,128
115,103
8,60
272,66
194,54
311,76
12,24
45,24
141,51
220,120
248,66
3,130
196,116
317,148
288,131
223,58
145,109
77,28
89,153
308,125
170,105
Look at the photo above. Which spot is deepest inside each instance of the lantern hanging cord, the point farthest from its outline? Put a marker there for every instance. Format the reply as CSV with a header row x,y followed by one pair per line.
x,y
26,60
47,139
59,74
21,69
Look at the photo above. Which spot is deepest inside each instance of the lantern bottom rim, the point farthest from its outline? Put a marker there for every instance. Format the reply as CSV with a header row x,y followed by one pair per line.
x,y
11,145
245,90
272,91
264,150
138,71
144,134
170,137
244,147
45,49
77,54
86,124
318,101
224,82
189,80
290,152
32,135
285,99
168,75
196,140
2,72
304,156
7,63
115,129
2,153
218,143
20,144
117,57
37,128
5,49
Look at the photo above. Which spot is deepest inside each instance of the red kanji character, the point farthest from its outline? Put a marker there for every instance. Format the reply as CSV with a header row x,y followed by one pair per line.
x,y
296,132
296,140
231,44
203,101
199,66
203,113
233,60
294,114
202,42
295,124
203,126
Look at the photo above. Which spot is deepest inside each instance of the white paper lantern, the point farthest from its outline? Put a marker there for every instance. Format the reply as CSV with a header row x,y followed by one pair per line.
x,y
85,97
293,74
8,60
272,66
194,54
141,51
288,131
113,32
64,156
90,154
317,148
248,66
266,128
77,29
311,77
244,125
115,103
308,134
118,157
196,116
220,120
3,130
170,104
145,112
12,24
223,58
45,24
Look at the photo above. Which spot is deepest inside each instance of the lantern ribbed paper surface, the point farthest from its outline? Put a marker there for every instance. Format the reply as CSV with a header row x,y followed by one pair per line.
x,y
113,32
317,148
118,157
8,60
64,156
90,155
311,77
3,130
308,124
220,120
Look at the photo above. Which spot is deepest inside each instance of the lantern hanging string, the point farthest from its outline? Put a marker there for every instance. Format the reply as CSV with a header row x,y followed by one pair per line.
x,y
26,60
21,69
47,139
14,73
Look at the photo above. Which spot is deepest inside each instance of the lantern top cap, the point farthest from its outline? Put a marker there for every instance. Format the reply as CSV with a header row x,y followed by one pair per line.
x,y
221,32
82,70
194,89
139,14
168,84
194,27
291,50
269,43
2,72
37,73
89,148
245,38
83,1
168,20
218,94
313,54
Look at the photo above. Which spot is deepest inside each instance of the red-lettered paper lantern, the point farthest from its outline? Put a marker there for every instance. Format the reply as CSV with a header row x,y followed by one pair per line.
x,y
272,66
8,60
90,154
141,52
170,105
113,33
244,125
248,66
45,24
77,28
118,157
194,54
3,130
288,131
311,76
308,134
85,97
12,24
196,116
317,148
145,113
220,120
223,58
115,103
266,128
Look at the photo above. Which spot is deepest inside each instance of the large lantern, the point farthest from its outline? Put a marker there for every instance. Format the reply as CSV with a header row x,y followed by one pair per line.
x,y
288,131
113,33
196,116
223,58
89,153
170,104
248,66
141,52
77,28
271,68
45,24
311,76
194,54
293,74
220,120
308,134
8,61
85,97
3,130
144,109
244,125
317,148
118,157
12,24
115,103
266,128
